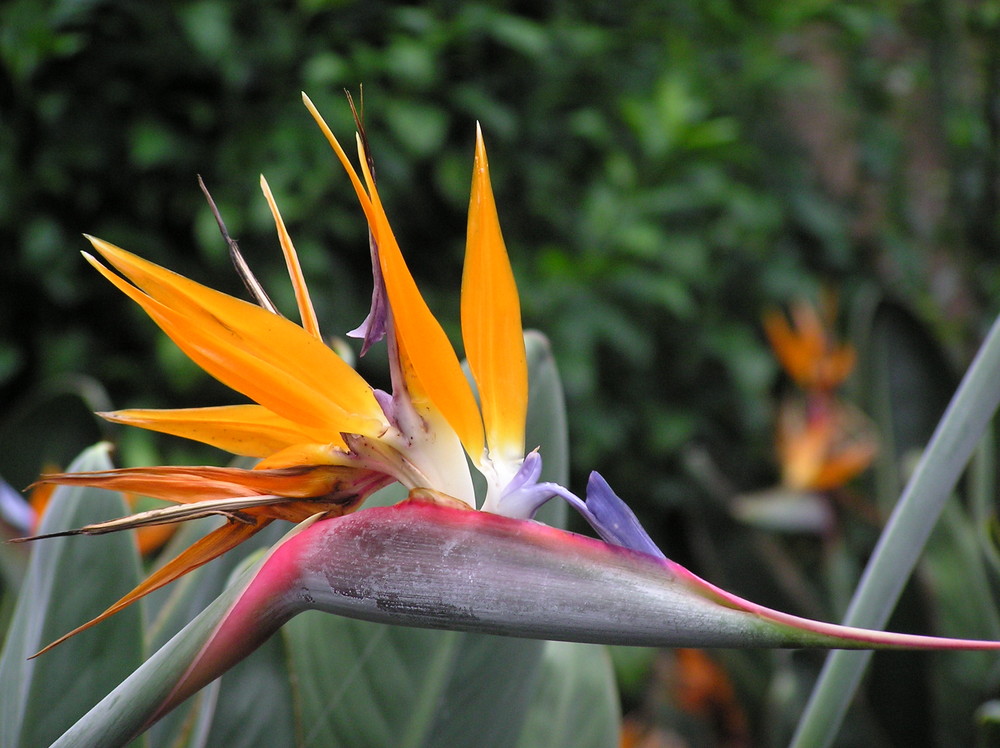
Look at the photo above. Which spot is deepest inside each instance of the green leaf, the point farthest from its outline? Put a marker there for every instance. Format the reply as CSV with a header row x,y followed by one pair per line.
x,y
62,406
575,703
906,383
366,684
69,581
982,499
13,556
253,700
254,705
965,604
905,535
125,711
546,426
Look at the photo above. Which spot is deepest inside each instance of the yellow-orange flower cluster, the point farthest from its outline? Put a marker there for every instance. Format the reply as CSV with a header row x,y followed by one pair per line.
x,y
822,442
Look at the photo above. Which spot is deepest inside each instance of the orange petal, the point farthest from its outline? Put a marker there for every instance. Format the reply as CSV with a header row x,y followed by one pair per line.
x,y
186,485
152,538
491,320
306,311
837,366
809,328
806,349
40,496
269,359
249,430
201,552
434,369
794,355
359,189
825,448
842,466
305,455
431,367
183,485
802,449
254,330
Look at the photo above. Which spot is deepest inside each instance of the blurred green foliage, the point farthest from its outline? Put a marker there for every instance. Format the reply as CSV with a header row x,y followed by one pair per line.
x,y
664,172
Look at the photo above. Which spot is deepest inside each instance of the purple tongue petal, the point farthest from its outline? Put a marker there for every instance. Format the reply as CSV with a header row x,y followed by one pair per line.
x,y
373,328
613,520
604,510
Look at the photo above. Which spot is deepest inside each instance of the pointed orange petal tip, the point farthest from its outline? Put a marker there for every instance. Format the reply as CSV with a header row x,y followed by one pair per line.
x,y
103,248
491,320
302,299
480,146
268,358
249,430
93,261
199,553
434,371
366,204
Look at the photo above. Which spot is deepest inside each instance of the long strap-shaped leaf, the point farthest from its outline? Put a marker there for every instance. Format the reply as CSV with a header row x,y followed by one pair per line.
x,y
904,537
421,564
39,698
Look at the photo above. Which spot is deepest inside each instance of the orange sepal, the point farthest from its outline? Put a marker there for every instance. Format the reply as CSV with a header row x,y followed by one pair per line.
x,y
329,490
306,311
823,448
806,349
491,320
39,497
842,466
187,485
258,378
199,553
429,363
268,358
433,369
250,430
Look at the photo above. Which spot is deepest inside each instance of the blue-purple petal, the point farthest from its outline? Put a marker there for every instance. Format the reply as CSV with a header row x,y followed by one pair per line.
x,y
373,328
14,510
603,509
613,520
524,495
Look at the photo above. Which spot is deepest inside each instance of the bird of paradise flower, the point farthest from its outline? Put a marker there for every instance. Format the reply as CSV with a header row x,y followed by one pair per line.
x,y
822,442
326,440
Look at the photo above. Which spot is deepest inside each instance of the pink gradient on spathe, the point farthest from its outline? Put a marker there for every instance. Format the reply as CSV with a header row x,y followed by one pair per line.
x,y
582,546
277,592
259,611
879,639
